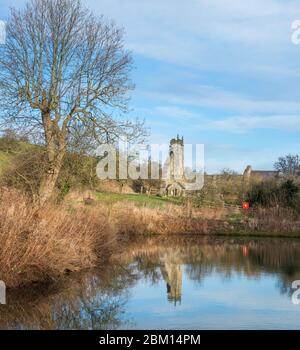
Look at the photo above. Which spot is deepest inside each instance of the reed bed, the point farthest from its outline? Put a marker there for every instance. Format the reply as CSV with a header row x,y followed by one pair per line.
x,y
39,245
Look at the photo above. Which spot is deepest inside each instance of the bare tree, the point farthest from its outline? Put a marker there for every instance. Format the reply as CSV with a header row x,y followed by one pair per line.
x,y
65,73
288,165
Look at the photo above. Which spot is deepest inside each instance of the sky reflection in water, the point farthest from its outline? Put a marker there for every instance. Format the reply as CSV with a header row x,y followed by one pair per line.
x,y
178,284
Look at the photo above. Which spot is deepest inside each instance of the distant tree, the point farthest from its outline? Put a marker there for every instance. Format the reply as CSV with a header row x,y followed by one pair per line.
x,y
153,182
288,165
229,185
289,191
227,173
272,193
64,73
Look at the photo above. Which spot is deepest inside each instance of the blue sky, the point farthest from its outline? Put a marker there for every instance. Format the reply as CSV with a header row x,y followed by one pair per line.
x,y
220,72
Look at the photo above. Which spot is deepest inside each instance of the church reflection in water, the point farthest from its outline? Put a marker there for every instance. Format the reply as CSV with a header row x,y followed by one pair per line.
x,y
172,274
98,299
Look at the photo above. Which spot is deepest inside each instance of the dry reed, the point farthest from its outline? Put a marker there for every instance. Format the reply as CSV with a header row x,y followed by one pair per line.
x,y
39,245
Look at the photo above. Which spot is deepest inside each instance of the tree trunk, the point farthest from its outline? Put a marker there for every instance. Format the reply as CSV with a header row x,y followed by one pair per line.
x,y
56,147
48,183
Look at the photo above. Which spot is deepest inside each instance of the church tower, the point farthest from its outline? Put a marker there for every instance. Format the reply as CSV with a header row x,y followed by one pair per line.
x,y
176,154
175,182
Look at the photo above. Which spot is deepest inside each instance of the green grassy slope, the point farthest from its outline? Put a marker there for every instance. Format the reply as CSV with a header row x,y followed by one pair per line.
x,y
138,199
7,154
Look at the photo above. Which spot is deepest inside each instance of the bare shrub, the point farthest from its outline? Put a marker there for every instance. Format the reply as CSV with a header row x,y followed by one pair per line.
x,y
275,220
39,245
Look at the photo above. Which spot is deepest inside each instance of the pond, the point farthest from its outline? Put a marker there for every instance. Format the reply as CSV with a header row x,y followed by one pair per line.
x,y
171,283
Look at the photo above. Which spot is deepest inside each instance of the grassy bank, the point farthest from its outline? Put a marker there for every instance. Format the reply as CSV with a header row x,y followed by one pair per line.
x,y
137,199
41,245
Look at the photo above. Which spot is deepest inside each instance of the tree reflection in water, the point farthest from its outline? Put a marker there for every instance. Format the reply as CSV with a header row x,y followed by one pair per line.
x,y
90,300
98,299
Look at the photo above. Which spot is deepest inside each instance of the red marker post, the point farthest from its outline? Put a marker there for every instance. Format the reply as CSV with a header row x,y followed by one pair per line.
x,y
246,205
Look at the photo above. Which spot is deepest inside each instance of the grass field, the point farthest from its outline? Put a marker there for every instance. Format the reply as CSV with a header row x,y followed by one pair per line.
x,y
137,199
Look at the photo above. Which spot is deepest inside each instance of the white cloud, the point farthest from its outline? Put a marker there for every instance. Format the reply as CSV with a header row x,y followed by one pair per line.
x,y
216,98
253,114
243,123
170,111
207,34
231,124
219,35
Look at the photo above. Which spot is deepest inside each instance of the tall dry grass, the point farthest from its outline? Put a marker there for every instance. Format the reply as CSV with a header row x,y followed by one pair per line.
x,y
172,219
275,220
39,245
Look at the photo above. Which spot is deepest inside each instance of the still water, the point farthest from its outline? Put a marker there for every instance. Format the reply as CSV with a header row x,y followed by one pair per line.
x,y
171,283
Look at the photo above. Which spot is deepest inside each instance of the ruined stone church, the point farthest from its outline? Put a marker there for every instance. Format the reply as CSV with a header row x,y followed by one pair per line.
x,y
175,183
